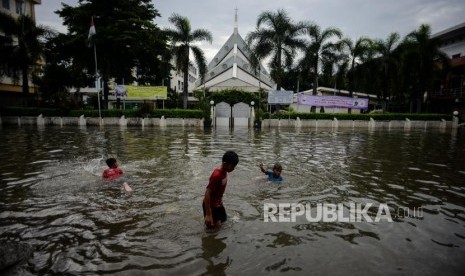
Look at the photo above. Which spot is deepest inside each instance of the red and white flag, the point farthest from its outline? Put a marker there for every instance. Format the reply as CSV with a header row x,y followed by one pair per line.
x,y
92,28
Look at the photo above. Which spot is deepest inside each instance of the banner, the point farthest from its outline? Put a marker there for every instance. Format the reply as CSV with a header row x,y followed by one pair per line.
x,y
147,92
333,101
280,97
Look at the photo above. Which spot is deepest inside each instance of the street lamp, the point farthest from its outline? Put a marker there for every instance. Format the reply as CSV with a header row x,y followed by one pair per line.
x,y
212,111
455,118
252,115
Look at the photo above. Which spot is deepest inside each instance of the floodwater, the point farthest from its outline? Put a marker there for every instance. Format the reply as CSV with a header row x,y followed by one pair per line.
x,y
53,198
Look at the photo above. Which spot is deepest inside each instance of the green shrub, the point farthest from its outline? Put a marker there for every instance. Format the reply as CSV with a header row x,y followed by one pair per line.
x,y
168,113
31,111
234,96
363,117
197,113
105,113
177,113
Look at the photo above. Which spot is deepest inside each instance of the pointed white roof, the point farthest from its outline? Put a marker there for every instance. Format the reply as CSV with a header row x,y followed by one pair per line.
x,y
230,68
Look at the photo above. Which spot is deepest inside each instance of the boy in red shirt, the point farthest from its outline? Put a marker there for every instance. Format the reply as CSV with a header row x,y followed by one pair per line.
x,y
213,209
113,173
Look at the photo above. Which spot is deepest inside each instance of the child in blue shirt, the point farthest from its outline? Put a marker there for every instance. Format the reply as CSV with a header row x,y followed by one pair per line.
x,y
273,175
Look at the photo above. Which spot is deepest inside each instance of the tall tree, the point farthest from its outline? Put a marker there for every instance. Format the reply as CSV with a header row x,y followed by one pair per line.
x,y
182,39
331,65
389,63
423,51
276,36
126,39
356,51
21,48
320,47
58,76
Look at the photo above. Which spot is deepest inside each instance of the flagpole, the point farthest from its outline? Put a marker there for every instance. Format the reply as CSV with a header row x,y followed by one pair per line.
x,y
97,83
92,32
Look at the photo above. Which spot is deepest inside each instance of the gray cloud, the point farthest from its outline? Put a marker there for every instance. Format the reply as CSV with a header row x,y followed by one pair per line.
x,y
372,18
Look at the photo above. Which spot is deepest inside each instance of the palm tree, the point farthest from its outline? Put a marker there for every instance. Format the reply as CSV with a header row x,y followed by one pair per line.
x,y
20,58
331,65
320,48
424,51
356,51
276,36
386,49
182,39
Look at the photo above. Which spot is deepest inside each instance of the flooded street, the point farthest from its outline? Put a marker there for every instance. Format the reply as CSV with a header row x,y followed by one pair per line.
x,y
53,199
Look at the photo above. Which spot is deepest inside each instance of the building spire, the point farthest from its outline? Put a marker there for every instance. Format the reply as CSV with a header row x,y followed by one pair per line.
x,y
235,23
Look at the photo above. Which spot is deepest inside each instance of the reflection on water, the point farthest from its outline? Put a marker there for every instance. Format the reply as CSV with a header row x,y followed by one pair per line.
x,y
212,248
53,199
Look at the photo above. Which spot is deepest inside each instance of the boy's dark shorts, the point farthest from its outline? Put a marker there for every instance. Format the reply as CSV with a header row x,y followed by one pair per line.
x,y
218,213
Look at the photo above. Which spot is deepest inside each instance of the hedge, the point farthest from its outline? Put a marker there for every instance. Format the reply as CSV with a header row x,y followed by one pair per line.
x,y
30,111
364,117
50,112
168,113
196,113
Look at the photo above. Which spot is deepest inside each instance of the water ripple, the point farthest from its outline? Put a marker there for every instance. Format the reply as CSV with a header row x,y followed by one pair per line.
x,y
53,198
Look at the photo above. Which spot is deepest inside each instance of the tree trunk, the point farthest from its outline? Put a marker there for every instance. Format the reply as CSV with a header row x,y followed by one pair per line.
x,y
383,105
278,75
384,90
315,79
185,93
106,91
419,100
25,86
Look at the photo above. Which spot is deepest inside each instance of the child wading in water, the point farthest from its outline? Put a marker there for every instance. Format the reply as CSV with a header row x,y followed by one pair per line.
x,y
213,209
115,173
273,175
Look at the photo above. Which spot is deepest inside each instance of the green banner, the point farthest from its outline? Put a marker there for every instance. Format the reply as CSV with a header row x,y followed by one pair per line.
x,y
147,92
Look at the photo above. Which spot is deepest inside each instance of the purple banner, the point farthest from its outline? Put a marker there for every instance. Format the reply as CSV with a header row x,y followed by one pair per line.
x,y
333,101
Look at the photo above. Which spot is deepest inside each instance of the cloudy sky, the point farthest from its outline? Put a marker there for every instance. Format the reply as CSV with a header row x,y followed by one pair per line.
x,y
372,18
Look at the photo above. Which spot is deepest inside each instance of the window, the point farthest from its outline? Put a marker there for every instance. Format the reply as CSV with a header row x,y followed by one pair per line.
x,y
19,7
6,4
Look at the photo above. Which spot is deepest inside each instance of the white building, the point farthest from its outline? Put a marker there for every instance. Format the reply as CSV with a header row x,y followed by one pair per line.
x,y
449,95
177,81
453,41
10,91
230,68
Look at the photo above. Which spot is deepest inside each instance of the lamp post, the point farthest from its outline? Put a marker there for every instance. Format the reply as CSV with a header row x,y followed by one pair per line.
x,y
212,112
455,118
252,115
